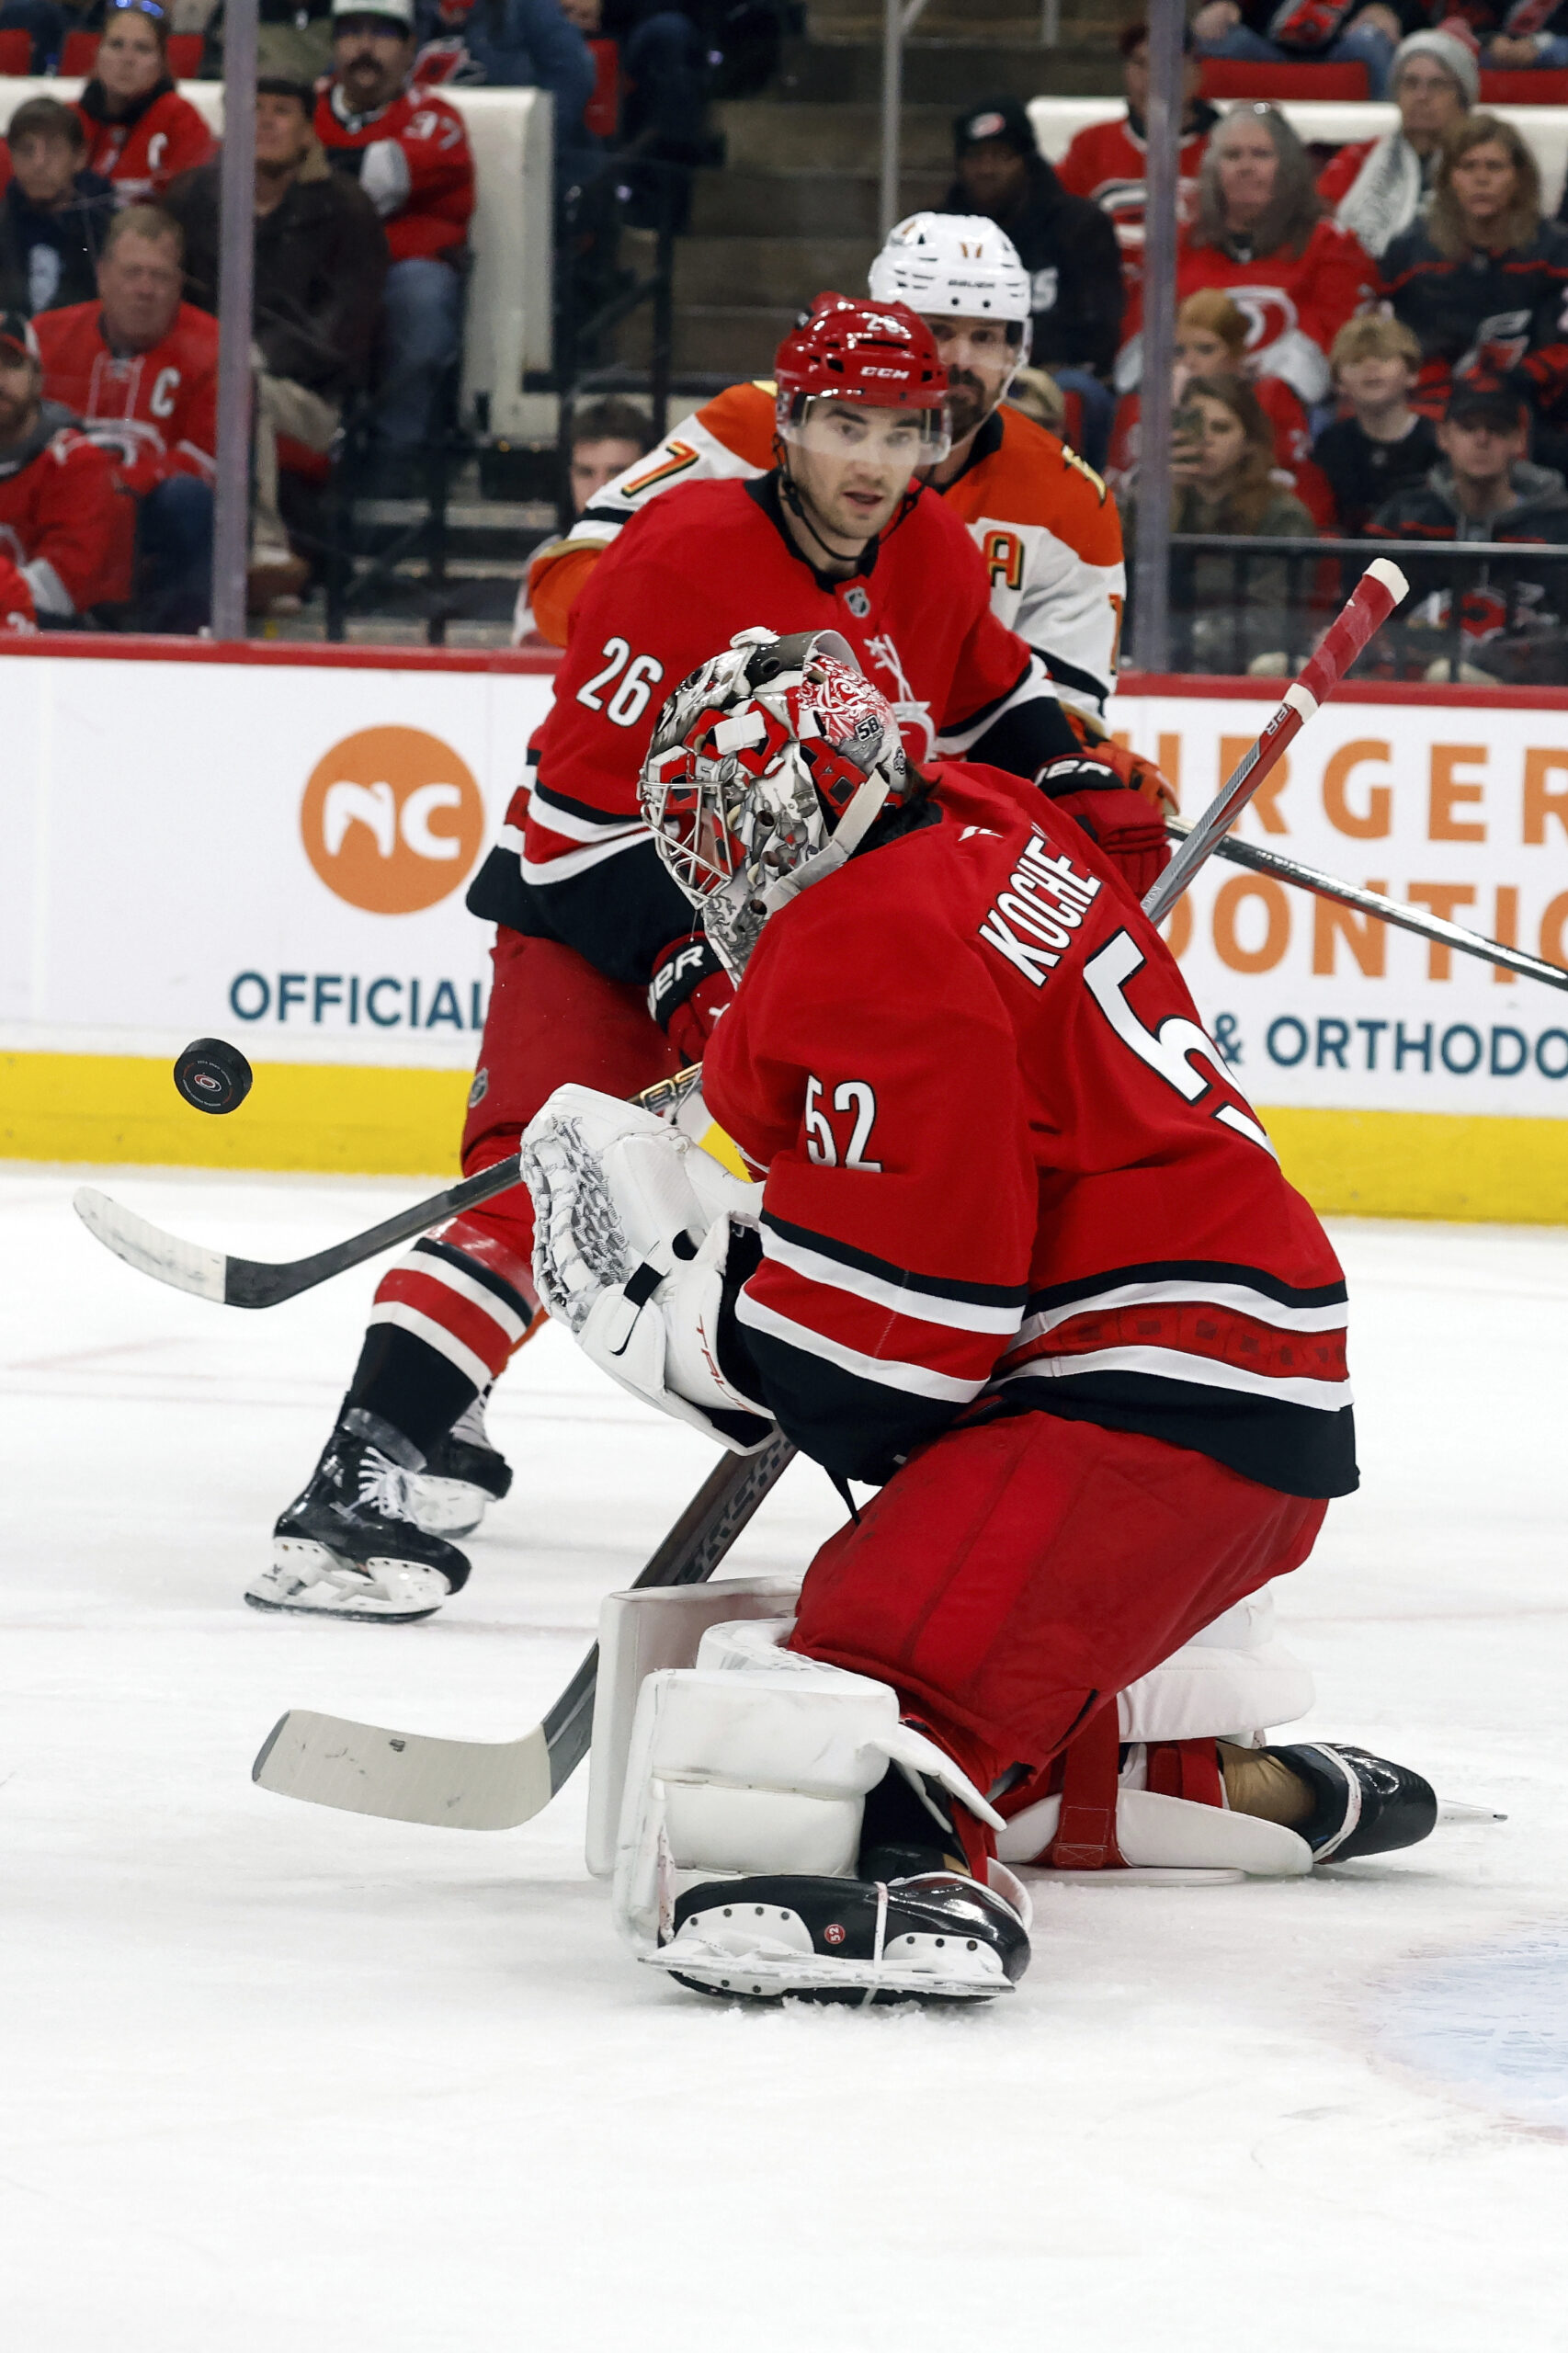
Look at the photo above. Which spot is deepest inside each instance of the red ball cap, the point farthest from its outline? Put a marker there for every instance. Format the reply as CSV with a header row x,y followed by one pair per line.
x,y
881,353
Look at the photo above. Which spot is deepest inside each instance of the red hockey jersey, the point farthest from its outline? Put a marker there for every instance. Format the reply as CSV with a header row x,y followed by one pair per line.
x,y
1007,1170
1294,304
66,522
1106,161
158,409
575,859
413,160
144,151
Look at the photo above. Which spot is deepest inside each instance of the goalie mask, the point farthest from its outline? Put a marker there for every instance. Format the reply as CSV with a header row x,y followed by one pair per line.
x,y
769,766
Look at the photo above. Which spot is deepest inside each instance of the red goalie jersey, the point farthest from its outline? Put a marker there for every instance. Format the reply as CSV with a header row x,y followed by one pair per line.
x,y
1007,1171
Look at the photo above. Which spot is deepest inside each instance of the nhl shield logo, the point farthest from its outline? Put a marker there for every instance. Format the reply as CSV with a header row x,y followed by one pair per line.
x,y
858,602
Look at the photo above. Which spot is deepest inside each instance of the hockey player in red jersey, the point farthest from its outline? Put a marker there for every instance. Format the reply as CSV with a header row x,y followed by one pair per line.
x,y
597,976
65,523
1022,1255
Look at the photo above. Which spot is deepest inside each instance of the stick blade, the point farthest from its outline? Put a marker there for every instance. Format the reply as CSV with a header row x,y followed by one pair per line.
x,y
404,1777
184,1266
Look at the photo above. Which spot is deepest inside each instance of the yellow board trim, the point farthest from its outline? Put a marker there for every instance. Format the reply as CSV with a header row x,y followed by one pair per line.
x,y
355,1121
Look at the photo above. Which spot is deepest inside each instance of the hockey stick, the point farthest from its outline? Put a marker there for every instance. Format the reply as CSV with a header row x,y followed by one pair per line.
x,y
1380,587
487,1785
256,1282
1390,910
496,1785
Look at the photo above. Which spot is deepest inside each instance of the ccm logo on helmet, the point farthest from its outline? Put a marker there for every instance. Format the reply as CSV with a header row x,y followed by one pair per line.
x,y
898,372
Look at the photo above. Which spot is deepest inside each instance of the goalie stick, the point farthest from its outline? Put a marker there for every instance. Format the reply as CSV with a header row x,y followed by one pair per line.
x,y
487,1785
1373,902
496,1785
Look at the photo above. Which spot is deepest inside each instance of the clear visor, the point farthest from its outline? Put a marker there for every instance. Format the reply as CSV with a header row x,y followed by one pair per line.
x,y
894,439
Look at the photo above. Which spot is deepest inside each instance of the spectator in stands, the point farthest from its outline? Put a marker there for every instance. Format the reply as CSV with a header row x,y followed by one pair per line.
x,y
509,44
1307,32
293,40
1485,489
1211,341
141,133
1520,38
1106,161
409,152
1261,236
608,436
46,25
670,58
320,261
1382,447
1482,280
1377,188
138,368
1223,482
65,523
1067,244
55,214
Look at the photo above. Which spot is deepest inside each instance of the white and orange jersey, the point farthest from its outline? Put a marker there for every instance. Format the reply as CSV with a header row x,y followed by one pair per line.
x,y
1044,522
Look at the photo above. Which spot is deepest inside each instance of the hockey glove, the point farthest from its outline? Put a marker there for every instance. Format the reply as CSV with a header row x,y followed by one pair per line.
x,y
688,992
1096,793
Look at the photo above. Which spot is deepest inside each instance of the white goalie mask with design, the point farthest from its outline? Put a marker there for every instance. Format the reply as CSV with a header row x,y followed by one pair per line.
x,y
766,769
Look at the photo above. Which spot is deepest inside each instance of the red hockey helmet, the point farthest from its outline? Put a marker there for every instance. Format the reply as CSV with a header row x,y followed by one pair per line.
x,y
767,768
876,355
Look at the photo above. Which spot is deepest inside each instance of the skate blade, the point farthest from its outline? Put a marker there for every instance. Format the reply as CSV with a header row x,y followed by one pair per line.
x,y
341,1613
773,1977
1450,1812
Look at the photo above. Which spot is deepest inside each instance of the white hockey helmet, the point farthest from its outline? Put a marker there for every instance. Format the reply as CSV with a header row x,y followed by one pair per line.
x,y
954,265
767,768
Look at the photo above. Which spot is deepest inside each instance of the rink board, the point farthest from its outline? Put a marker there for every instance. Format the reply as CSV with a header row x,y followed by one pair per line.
x,y
200,845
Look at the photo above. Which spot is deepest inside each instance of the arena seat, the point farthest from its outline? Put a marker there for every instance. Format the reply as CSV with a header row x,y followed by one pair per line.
x,y
1236,77
1527,88
602,113
15,49
509,315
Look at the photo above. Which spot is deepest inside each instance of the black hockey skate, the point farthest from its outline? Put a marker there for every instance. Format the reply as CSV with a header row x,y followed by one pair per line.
x,y
1365,1804
463,1475
349,1546
940,1937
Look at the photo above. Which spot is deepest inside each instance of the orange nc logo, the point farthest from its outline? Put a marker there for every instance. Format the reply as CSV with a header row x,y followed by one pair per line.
x,y
393,820
1004,556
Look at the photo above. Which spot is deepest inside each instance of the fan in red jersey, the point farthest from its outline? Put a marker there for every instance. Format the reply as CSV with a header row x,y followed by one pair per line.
x,y
138,367
597,977
66,526
1261,236
1022,1257
410,154
1106,161
141,133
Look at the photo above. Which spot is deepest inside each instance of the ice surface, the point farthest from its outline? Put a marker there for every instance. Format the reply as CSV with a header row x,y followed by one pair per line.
x,y
276,2080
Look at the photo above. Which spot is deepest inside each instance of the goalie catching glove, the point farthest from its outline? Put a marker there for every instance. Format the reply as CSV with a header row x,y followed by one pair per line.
x,y
635,1227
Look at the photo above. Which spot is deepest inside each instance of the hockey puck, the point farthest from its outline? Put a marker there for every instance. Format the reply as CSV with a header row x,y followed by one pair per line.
x,y
213,1076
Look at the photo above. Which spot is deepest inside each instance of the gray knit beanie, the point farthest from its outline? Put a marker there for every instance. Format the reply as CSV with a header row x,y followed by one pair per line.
x,y
1447,50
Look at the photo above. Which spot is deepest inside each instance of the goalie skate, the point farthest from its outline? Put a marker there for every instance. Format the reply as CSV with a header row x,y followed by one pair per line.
x,y
463,1475
350,1547
940,1938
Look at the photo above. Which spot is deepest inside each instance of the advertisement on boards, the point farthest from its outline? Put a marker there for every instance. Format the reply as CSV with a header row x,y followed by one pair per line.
x,y
1457,807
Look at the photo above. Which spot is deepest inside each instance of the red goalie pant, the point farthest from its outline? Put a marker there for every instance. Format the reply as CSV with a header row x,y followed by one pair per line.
x,y
1014,1578
466,1292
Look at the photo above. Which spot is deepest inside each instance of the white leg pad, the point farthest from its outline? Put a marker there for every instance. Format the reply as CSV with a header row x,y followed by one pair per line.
x,y
1232,1678
1171,1835
639,1632
755,1767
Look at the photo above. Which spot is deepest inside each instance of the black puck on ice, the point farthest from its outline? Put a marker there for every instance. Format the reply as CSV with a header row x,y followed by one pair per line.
x,y
213,1076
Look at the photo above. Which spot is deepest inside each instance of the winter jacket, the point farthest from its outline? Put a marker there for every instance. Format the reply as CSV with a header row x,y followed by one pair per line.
x,y
50,258
1069,247
1491,317
1502,601
320,261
